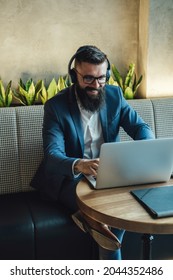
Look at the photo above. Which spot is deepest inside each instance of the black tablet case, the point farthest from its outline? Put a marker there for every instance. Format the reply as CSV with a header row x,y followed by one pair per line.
x,y
157,201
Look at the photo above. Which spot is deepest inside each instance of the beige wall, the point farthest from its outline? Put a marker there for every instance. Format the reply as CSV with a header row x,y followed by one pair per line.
x,y
155,55
160,49
38,37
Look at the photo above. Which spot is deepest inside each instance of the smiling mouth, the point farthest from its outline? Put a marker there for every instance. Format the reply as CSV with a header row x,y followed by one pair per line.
x,y
92,91
93,94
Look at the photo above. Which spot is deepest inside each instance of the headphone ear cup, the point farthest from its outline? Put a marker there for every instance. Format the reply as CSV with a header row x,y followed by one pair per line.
x,y
73,76
108,74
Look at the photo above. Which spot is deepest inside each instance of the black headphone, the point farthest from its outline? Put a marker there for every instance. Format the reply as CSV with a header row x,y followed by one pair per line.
x,y
72,71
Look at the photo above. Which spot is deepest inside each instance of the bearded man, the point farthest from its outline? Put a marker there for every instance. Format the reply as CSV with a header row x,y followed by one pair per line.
x,y
77,122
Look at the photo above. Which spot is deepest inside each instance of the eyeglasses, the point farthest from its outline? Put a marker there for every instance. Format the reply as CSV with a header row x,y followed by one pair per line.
x,y
88,79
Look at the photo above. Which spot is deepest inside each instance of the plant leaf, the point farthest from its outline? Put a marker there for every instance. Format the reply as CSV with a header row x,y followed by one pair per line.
x,y
28,84
43,94
117,76
31,95
138,84
111,81
67,80
9,99
1,101
52,89
38,88
22,84
128,93
61,84
19,97
2,90
5,95
22,91
129,77
8,95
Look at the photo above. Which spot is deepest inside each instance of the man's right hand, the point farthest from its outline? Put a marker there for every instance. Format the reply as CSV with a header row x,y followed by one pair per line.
x,y
87,166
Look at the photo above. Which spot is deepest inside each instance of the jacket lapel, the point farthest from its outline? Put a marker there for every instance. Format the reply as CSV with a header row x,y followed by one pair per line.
x,y
75,113
104,122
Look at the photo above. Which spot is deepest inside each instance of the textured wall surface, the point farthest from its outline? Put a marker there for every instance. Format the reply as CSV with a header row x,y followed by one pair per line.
x,y
160,49
39,37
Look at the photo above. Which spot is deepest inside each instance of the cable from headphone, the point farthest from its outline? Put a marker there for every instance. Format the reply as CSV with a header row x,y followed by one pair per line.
x,y
72,72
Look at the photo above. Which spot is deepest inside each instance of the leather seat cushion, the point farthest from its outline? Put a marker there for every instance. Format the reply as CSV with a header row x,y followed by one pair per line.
x,y
32,228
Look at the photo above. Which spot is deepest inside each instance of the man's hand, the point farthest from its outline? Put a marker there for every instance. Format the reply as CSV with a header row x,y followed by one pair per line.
x,y
87,166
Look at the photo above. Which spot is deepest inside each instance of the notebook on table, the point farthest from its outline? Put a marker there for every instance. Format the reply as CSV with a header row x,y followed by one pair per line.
x,y
134,163
157,201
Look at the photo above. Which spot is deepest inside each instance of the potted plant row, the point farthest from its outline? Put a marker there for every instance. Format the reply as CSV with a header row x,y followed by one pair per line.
x,y
30,93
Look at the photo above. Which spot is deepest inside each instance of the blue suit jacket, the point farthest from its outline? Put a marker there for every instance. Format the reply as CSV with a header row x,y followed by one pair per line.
x,y
63,140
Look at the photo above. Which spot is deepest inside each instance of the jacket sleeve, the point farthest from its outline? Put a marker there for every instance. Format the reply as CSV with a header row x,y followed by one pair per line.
x,y
133,124
54,144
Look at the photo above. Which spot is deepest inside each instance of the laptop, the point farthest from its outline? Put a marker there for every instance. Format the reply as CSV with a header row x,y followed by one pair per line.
x,y
134,163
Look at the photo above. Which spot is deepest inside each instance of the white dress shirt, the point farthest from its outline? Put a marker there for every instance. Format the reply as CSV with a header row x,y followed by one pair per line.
x,y
93,137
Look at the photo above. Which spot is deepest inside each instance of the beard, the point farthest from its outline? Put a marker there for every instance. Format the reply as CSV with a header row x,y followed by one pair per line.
x,y
88,102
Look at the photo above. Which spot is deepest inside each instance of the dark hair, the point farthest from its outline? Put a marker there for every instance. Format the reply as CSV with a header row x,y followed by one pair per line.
x,y
90,54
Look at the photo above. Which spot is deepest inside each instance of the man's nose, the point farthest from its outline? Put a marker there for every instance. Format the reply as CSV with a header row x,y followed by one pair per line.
x,y
95,83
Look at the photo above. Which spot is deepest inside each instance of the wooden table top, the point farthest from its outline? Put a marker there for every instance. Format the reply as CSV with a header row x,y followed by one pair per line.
x,y
116,207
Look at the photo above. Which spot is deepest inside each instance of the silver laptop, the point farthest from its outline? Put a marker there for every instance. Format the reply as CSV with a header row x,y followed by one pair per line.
x,y
134,163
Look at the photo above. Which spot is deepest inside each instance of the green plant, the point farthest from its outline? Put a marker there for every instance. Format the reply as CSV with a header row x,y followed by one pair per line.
x,y
53,88
46,94
27,93
130,85
61,84
112,82
67,81
6,95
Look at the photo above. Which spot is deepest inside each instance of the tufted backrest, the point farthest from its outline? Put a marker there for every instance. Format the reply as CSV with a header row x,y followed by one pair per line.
x,y
21,148
9,157
30,146
144,108
163,117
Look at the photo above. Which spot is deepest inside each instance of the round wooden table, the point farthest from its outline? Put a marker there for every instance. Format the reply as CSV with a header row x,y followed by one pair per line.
x,y
117,208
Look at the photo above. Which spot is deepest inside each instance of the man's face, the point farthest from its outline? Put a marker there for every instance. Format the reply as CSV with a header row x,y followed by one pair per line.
x,y
91,91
